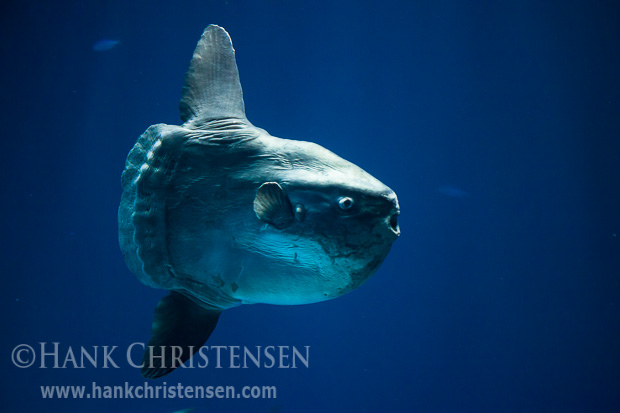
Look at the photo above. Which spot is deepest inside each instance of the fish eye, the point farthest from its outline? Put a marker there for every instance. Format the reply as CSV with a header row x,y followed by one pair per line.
x,y
345,203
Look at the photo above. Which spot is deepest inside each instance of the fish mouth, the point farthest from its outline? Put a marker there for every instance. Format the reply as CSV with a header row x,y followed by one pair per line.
x,y
393,212
393,223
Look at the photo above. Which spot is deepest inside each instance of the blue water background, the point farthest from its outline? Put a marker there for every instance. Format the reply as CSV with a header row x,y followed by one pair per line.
x,y
497,124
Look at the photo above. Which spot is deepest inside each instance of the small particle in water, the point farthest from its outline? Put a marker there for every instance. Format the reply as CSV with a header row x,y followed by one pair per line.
x,y
452,191
105,45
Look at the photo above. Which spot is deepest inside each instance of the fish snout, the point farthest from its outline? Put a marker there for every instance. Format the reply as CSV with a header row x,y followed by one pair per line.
x,y
392,216
393,222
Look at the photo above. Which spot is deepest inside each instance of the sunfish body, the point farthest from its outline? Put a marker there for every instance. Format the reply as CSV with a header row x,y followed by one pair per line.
x,y
221,213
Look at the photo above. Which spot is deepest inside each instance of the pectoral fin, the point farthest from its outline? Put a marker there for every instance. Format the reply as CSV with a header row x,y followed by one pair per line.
x,y
273,206
180,327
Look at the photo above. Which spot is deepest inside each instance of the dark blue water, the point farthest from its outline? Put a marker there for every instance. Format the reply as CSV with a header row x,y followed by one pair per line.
x,y
496,123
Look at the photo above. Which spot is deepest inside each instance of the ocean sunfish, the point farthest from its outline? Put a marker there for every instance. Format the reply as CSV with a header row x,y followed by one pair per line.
x,y
221,213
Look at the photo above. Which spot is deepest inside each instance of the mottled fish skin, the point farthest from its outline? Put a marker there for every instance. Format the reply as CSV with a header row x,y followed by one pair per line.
x,y
226,214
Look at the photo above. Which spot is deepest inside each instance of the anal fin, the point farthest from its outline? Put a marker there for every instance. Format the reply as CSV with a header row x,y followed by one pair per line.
x,y
180,327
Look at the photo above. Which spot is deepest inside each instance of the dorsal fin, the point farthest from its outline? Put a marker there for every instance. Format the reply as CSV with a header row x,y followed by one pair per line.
x,y
212,89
